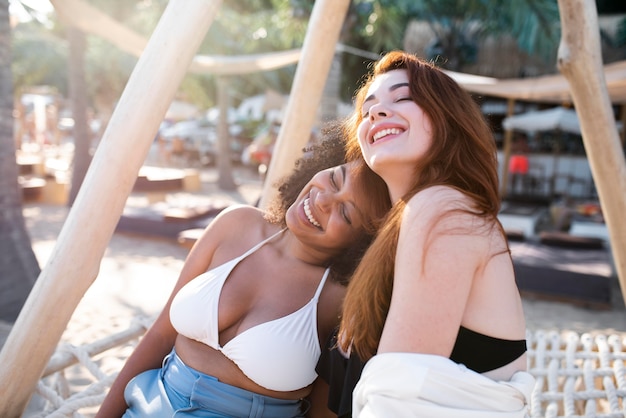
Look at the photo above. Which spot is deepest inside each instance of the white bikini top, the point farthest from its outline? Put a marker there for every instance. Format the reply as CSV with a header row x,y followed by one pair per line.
x,y
279,355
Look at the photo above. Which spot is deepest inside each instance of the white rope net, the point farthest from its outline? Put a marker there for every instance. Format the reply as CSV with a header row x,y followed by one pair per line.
x,y
78,376
578,375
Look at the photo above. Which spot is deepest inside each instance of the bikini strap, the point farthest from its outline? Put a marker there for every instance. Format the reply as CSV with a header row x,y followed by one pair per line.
x,y
321,285
260,244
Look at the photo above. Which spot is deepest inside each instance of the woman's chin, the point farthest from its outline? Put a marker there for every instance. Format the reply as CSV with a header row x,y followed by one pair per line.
x,y
379,164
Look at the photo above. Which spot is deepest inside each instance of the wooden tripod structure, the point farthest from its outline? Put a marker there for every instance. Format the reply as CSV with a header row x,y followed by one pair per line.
x,y
168,55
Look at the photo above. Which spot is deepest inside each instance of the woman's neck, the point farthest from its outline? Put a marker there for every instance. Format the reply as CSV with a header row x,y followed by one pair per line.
x,y
307,254
398,182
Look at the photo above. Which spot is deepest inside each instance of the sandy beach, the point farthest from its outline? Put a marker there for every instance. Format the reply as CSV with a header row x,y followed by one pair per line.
x,y
138,272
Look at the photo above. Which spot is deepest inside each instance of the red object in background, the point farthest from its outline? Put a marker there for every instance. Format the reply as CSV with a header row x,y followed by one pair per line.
x,y
260,155
518,164
589,209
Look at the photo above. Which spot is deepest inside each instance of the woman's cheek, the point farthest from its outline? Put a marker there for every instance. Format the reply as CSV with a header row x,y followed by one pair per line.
x,y
362,134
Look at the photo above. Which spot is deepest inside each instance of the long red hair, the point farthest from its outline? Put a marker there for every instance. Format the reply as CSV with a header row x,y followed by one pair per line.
x,y
462,156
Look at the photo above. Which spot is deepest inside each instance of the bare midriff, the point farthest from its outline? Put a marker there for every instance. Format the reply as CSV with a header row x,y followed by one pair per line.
x,y
212,362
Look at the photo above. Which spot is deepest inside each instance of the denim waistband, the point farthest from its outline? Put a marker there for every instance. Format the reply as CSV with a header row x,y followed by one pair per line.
x,y
206,392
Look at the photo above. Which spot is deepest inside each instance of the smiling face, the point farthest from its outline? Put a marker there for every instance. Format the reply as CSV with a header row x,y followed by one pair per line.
x,y
394,132
331,212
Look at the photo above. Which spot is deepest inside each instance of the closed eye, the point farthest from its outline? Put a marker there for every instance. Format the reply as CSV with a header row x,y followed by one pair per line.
x,y
333,181
344,215
344,211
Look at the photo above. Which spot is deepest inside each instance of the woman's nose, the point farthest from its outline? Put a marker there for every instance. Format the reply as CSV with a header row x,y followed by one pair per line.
x,y
378,110
324,200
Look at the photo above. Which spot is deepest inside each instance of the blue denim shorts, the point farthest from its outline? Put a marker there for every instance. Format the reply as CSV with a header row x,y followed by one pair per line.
x,y
176,390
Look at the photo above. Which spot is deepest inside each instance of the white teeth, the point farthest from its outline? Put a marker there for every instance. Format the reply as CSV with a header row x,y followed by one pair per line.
x,y
309,215
385,132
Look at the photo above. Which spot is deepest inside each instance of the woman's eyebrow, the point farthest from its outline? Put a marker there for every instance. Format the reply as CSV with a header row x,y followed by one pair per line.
x,y
397,86
392,88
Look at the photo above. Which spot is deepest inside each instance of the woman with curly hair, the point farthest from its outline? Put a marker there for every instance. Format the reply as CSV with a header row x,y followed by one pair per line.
x,y
240,334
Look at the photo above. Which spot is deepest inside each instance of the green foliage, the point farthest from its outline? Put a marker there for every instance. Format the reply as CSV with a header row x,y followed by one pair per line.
x,y
381,23
256,26
376,26
534,23
620,36
40,52
198,90
460,24
107,70
39,58
140,15
250,27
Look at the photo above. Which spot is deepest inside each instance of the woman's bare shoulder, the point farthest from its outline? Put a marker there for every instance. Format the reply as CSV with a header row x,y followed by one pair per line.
x,y
438,195
434,201
236,223
238,218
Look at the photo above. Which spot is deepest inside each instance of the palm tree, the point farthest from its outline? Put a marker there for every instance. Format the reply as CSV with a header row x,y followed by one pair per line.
x,y
18,265
459,25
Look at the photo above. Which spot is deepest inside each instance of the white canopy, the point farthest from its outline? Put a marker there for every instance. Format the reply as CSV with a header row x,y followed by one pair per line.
x,y
181,110
556,118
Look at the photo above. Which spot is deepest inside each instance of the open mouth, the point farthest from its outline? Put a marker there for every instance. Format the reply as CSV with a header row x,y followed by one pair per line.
x,y
383,133
309,214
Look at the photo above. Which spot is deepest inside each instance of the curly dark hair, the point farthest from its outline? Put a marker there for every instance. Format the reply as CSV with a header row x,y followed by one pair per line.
x,y
322,154
329,151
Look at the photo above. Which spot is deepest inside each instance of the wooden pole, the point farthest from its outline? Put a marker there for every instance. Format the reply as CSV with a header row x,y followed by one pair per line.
x,y
306,92
75,260
580,61
623,120
506,150
225,179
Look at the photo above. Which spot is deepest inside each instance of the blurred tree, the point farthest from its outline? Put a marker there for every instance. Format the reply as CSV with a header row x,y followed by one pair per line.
x,y
18,265
39,54
378,26
459,26
372,28
242,28
107,69
81,132
620,38
256,26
